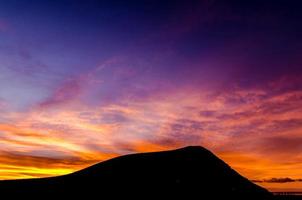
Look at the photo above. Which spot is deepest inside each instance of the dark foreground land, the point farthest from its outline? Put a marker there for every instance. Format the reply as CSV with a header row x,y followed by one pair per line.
x,y
288,197
187,173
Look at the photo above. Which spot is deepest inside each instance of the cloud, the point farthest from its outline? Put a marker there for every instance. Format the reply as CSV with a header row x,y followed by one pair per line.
x,y
277,180
38,166
175,84
66,92
246,126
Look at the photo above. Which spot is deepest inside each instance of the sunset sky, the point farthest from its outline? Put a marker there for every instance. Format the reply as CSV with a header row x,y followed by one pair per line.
x,y
84,81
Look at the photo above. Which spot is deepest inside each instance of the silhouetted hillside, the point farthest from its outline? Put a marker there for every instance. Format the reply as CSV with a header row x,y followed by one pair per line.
x,y
188,173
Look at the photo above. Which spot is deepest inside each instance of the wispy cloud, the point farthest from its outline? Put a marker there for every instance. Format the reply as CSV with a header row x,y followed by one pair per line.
x,y
278,180
82,89
231,124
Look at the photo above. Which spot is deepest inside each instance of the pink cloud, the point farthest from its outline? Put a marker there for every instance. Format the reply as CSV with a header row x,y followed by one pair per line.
x,y
66,92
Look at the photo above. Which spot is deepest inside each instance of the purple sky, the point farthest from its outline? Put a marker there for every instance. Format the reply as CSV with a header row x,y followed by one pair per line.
x,y
82,81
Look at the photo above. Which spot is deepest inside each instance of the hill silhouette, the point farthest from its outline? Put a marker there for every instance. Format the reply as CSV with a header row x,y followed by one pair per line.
x,y
189,173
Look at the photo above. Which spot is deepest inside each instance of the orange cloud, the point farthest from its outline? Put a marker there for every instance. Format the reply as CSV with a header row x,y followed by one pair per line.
x,y
254,130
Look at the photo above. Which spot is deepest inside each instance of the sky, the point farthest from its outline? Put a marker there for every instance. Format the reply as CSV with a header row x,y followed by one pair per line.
x,y
85,81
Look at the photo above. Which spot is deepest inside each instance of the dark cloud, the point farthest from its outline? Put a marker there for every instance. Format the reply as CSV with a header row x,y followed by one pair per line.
x,y
277,180
186,130
237,115
285,125
114,117
207,113
280,107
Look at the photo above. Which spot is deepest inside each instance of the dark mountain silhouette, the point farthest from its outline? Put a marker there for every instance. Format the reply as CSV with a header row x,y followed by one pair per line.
x,y
188,173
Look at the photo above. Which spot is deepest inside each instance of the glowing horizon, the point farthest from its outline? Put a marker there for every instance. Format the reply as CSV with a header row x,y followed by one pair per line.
x,y
84,82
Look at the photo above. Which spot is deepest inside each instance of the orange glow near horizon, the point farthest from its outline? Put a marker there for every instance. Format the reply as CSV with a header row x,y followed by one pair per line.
x,y
82,82
46,142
